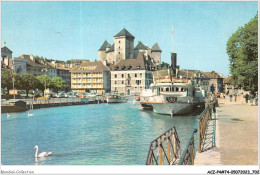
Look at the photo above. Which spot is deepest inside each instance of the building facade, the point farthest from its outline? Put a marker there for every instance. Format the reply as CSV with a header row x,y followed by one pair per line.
x,y
6,57
123,49
92,77
131,76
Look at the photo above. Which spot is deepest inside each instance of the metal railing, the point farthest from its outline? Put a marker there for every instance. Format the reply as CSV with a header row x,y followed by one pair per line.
x,y
165,149
188,157
205,116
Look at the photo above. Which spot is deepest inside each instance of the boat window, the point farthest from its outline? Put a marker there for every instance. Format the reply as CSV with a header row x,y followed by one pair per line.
x,y
177,89
182,89
167,89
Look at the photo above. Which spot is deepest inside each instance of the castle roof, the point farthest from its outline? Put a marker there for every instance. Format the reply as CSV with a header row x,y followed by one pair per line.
x,y
140,63
104,45
156,48
140,46
112,48
125,33
6,49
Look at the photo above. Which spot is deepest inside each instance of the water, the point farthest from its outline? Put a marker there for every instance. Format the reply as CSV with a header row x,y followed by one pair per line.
x,y
94,134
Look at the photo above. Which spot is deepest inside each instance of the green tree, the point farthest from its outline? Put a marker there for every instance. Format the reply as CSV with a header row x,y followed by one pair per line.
x,y
68,62
163,66
7,80
30,82
44,79
242,48
57,83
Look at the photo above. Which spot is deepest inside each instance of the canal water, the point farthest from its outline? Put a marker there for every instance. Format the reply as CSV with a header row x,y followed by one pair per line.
x,y
94,134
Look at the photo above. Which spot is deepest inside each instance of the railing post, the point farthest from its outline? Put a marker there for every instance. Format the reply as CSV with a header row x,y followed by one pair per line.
x,y
199,139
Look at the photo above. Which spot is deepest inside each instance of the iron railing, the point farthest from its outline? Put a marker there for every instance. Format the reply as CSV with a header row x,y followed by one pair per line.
x,y
165,149
205,116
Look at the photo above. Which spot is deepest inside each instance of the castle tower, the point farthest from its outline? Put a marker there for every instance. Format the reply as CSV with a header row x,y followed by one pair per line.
x,y
140,47
156,53
123,45
102,51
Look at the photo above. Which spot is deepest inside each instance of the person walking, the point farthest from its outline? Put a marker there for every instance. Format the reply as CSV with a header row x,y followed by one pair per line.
x,y
213,101
230,97
246,97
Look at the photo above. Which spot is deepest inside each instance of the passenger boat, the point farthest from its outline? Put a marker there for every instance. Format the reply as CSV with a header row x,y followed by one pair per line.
x,y
172,98
116,99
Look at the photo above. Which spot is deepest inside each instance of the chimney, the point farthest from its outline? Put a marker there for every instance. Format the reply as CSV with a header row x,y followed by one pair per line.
x,y
32,58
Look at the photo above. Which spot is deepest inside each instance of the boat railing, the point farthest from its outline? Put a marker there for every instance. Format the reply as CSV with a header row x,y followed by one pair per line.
x,y
188,155
165,149
205,116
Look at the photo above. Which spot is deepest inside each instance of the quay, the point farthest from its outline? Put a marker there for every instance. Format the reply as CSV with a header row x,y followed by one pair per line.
x,y
236,135
21,105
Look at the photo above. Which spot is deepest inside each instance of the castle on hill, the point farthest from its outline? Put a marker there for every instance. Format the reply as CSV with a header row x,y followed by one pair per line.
x,y
123,49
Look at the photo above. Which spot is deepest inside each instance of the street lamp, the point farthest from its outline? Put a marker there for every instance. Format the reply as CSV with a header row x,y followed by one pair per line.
x,y
45,70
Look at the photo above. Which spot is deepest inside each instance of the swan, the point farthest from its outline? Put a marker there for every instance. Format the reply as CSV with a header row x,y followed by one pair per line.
x,y
7,115
43,154
30,114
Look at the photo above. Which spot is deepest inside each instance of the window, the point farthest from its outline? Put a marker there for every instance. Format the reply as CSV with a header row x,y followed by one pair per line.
x,y
118,52
119,41
128,75
115,76
122,75
122,82
141,75
115,82
135,74
119,47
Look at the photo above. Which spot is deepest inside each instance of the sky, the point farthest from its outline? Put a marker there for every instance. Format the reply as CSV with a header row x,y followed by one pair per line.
x,y
76,30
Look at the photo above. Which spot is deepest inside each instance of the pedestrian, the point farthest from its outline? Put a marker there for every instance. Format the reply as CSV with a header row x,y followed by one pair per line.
x,y
235,97
213,101
230,97
251,98
256,99
246,97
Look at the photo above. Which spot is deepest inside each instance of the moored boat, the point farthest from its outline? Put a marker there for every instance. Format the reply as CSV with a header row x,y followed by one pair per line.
x,y
116,99
172,98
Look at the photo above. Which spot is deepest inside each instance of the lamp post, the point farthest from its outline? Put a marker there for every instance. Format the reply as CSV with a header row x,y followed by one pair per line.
x,y
45,70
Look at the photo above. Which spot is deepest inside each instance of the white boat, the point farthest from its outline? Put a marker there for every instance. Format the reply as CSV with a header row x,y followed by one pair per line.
x,y
116,99
179,97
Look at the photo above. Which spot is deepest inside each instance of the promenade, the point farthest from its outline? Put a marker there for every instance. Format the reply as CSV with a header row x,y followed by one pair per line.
x,y
236,136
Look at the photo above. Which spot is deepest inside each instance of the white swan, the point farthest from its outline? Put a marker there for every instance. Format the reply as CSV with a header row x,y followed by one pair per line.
x,y
29,115
43,154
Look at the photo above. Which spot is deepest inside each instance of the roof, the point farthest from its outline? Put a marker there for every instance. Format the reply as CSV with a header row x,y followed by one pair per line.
x,y
99,67
31,63
6,49
125,33
140,63
112,48
156,48
104,45
140,46
228,80
211,74
59,66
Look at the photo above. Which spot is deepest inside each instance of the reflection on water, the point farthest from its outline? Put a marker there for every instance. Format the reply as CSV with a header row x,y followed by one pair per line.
x,y
96,134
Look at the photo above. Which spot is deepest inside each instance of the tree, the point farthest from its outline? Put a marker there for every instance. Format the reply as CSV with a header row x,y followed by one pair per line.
x,y
163,66
242,48
30,82
68,62
57,83
44,79
7,80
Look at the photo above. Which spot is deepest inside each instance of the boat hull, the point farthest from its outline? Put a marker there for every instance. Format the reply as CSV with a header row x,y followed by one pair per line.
x,y
113,100
173,108
146,105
